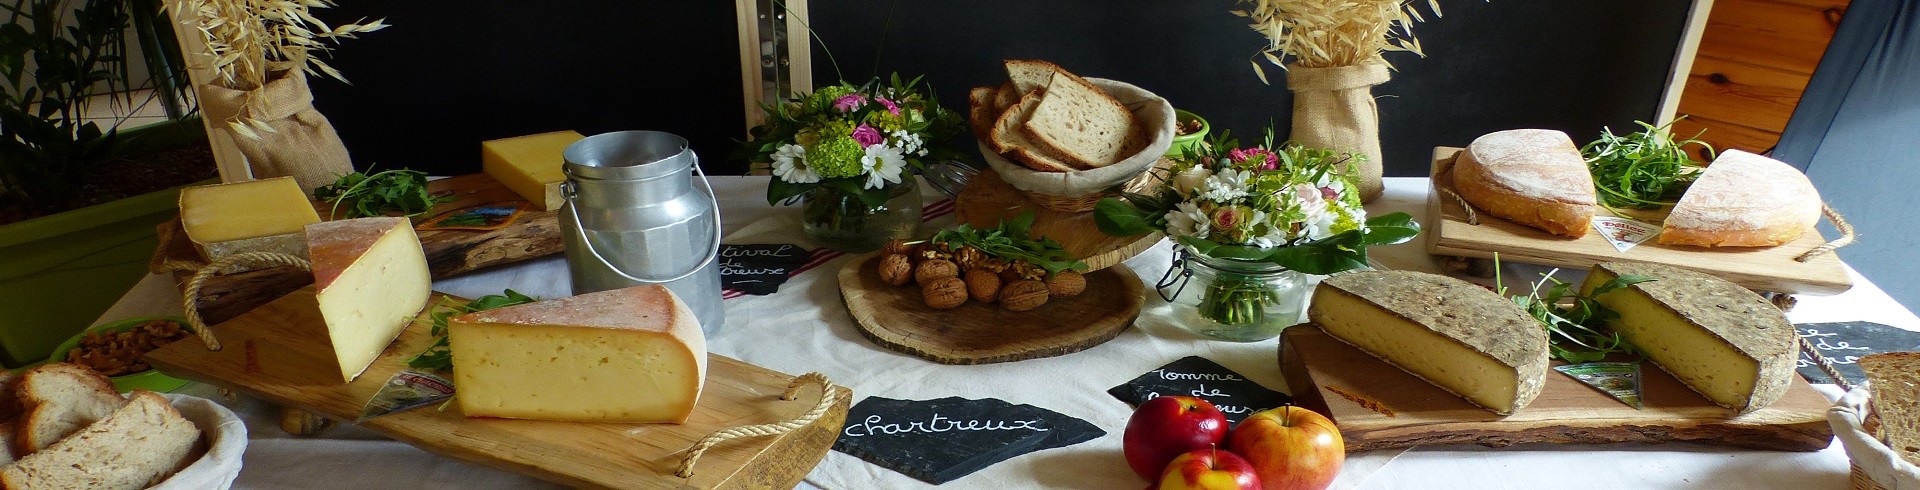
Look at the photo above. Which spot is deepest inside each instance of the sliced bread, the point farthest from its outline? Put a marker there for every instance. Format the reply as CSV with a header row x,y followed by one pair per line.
x,y
7,456
135,447
980,112
1031,75
59,399
1007,138
1005,97
9,405
1895,385
1084,125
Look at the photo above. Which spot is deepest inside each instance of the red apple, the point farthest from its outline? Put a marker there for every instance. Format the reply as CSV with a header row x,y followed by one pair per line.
x,y
1291,447
1209,469
1164,427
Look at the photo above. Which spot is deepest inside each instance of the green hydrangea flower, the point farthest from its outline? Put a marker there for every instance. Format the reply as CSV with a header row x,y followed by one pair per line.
x,y
885,121
822,99
835,156
1343,220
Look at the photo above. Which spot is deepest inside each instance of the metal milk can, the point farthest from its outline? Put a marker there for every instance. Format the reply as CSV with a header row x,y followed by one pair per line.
x,y
632,217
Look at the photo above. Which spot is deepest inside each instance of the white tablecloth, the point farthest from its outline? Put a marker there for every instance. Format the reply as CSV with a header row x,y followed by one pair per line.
x,y
805,327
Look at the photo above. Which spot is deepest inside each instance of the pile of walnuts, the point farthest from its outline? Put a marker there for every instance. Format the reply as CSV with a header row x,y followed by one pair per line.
x,y
949,276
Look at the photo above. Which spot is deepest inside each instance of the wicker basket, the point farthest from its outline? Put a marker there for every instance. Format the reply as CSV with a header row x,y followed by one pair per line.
x,y
1079,190
1873,466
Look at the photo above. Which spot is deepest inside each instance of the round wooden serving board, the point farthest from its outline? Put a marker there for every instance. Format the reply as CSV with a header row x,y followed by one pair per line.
x,y
982,333
987,199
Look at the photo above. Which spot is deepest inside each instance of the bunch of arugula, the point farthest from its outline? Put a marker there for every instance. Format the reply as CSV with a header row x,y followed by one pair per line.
x,y
1644,170
390,191
1577,323
1012,240
439,356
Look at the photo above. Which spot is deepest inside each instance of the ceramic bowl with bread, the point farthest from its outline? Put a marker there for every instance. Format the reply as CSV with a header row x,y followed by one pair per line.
x,y
1051,133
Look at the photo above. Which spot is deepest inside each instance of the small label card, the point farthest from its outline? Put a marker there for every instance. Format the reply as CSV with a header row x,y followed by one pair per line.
x,y
1624,233
1844,343
1235,395
759,269
940,440
407,390
1620,380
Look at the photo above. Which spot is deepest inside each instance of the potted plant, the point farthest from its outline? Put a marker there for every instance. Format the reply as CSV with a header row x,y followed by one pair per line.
x,y
79,199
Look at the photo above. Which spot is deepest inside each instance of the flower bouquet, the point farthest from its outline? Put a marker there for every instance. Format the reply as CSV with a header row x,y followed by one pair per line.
x,y
849,151
1252,225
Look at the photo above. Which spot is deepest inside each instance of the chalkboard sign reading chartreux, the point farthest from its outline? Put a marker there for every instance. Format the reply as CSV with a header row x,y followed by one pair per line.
x,y
937,441
759,269
1235,395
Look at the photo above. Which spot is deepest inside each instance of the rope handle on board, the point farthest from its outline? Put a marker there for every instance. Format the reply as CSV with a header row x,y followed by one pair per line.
x,y
1825,364
190,297
828,396
1839,223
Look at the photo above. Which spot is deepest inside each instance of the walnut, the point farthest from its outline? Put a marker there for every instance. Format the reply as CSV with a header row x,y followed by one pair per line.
x,y
983,285
991,265
1021,269
944,292
1023,295
896,270
901,247
930,252
968,257
931,269
1066,283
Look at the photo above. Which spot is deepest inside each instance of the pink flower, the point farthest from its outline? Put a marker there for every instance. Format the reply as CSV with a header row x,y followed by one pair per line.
x,y
1262,159
1329,194
867,136
891,107
850,102
1228,218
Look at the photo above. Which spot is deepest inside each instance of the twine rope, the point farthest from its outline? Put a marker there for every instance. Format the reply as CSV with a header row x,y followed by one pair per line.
x,y
190,298
1825,364
1839,223
828,395
1473,218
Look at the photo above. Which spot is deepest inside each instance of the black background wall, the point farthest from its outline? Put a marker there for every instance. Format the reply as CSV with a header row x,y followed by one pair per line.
x,y
452,73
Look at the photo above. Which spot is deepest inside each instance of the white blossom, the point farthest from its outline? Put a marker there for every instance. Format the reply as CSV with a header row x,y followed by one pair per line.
x,y
1226,186
882,164
790,164
1193,178
1188,220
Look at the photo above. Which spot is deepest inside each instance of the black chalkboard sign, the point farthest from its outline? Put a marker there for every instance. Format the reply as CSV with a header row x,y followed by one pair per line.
x,y
759,269
1844,343
1235,395
937,441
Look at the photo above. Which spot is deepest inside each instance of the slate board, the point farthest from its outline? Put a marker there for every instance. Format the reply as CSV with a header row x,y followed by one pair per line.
x,y
1846,342
940,440
759,269
1235,395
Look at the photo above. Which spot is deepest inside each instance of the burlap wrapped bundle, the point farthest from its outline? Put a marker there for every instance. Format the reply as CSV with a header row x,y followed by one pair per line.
x,y
1333,109
302,144
1080,190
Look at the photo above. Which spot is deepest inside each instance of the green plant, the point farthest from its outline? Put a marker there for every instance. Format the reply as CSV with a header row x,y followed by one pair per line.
x,y
1576,323
439,356
389,191
1644,170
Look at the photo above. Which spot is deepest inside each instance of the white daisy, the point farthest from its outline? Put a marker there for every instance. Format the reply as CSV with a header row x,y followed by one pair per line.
x,y
790,164
1226,186
1188,220
882,164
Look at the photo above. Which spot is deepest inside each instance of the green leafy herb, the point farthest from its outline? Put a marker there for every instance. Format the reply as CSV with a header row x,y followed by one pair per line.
x,y
1644,170
387,192
1577,324
439,356
1012,240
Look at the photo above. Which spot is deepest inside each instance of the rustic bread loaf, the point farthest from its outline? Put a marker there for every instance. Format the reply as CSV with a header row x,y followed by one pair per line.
x,y
1083,125
1894,383
59,399
1743,200
980,112
1535,177
135,447
1009,140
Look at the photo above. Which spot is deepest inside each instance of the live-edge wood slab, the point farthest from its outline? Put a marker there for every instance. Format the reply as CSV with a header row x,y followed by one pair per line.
x,y
896,317
988,199
1758,268
276,352
532,235
1357,391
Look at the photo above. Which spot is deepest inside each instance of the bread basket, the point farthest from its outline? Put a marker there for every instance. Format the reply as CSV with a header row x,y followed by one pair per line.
x,y
1079,190
1874,465
226,440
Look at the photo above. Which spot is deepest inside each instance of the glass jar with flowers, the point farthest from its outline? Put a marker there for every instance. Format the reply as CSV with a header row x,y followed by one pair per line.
x,y
1252,226
849,153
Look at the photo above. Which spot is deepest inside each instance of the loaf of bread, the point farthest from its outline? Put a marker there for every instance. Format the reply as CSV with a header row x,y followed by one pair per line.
x,y
60,399
1743,200
136,446
1894,382
1084,125
1535,177
1009,139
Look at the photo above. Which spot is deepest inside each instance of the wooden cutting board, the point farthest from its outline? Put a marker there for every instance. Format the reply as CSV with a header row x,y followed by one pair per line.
x,y
1340,381
980,333
449,252
276,352
1758,268
987,199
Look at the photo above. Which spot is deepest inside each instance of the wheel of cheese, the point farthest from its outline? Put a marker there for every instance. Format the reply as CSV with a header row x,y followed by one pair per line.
x,y
1743,200
1534,177
1720,339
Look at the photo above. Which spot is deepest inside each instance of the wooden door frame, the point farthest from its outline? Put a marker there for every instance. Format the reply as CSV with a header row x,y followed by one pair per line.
x,y
1683,61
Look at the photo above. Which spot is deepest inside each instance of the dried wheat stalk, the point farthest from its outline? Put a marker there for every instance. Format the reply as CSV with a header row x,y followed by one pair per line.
x,y
1328,33
253,41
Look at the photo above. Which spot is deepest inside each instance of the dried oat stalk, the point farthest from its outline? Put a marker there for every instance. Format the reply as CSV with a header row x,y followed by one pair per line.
x,y
1328,33
252,41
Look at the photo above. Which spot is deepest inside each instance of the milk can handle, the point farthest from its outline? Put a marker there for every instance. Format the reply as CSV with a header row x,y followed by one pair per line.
x,y
580,231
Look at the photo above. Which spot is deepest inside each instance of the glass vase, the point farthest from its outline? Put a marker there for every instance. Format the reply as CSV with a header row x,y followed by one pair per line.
x,y
840,221
1234,300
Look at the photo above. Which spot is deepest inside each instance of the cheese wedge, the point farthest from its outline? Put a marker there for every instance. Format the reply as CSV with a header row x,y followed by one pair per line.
x,y
1718,338
625,355
1743,200
530,165
1458,336
1535,177
371,279
253,216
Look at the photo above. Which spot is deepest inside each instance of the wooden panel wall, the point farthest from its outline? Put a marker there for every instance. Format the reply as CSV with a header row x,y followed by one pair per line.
x,y
1754,60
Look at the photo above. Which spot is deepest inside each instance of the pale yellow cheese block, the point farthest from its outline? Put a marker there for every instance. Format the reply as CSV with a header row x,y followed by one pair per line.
x,y
263,215
1718,338
371,279
632,355
1458,336
530,165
